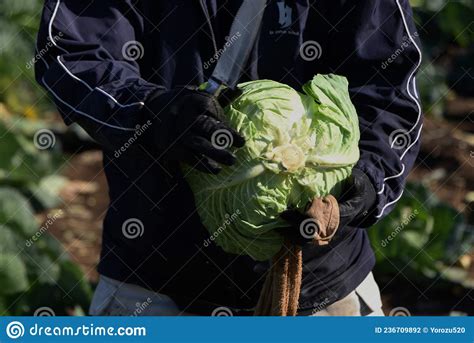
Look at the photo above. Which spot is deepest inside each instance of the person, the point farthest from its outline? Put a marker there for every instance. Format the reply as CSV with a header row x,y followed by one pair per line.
x,y
128,71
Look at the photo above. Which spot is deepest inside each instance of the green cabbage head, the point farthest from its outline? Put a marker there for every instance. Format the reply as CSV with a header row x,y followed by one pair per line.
x,y
298,146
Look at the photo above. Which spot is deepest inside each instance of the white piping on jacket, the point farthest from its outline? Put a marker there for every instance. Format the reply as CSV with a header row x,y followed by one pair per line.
x,y
53,41
73,108
80,112
410,83
96,88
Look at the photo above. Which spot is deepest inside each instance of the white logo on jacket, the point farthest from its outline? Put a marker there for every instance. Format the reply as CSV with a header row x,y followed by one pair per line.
x,y
285,17
285,21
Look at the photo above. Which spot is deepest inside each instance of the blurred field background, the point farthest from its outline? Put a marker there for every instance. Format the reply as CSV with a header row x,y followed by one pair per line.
x,y
53,194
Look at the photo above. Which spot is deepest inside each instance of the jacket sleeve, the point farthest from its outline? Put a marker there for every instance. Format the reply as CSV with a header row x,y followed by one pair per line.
x,y
376,46
87,54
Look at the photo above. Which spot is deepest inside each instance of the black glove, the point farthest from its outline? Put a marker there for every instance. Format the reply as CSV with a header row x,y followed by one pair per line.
x,y
355,202
189,127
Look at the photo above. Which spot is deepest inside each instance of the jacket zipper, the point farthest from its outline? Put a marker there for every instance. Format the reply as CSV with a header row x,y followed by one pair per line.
x,y
208,19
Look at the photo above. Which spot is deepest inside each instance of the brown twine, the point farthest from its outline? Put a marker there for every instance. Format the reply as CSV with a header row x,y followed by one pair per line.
x,y
281,289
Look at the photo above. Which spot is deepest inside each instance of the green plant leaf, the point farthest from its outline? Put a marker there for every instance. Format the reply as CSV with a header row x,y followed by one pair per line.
x,y
73,281
419,233
13,276
16,212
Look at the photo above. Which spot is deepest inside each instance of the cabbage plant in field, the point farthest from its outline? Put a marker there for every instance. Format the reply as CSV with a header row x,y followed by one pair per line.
x,y
298,146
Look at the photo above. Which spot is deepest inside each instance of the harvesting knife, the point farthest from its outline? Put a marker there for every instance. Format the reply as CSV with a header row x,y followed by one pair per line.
x,y
233,59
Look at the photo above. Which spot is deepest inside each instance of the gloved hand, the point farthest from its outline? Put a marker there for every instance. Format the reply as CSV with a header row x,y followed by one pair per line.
x,y
355,202
189,127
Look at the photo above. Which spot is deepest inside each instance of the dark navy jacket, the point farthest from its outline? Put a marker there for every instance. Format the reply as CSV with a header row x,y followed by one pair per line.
x,y
100,60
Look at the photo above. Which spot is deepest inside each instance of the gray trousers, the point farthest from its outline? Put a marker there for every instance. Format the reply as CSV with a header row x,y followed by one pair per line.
x,y
115,298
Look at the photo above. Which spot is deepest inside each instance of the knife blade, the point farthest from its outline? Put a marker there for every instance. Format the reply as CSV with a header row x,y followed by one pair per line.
x,y
231,63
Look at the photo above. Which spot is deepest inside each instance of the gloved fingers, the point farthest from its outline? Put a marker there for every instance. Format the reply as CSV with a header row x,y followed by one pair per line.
x,y
346,213
203,164
238,139
356,184
219,133
194,160
293,216
292,235
350,209
350,201
202,146
208,104
302,229
357,199
228,95
350,206
349,190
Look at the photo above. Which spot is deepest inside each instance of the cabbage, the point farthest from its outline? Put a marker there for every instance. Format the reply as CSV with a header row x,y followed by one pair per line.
x,y
298,146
